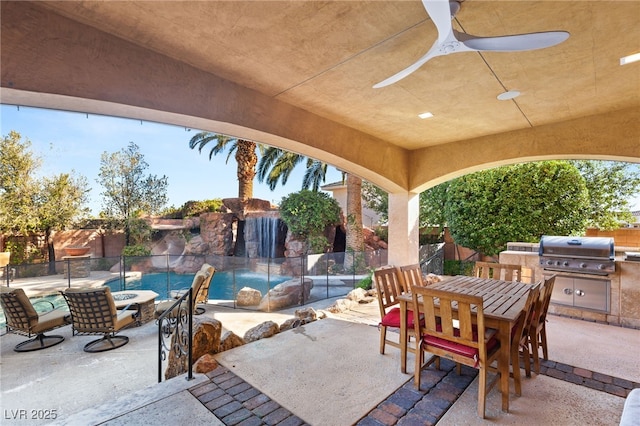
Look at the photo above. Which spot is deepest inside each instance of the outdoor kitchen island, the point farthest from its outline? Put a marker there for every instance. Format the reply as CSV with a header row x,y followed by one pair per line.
x,y
619,300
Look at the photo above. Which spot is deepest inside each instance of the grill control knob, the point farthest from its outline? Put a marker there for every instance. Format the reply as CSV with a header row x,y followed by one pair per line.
x,y
601,266
549,262
557,263
565,263
583,265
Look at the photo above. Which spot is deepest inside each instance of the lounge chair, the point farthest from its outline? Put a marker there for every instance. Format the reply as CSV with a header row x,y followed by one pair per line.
x,y
201,296
22,318
93,312
198,280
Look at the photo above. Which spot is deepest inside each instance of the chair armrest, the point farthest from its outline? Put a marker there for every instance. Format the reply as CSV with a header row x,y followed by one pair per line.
x,y
631,410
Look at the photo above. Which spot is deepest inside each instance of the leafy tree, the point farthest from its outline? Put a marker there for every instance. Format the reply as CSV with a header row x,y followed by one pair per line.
x,y
18,185
245,155
128,192
610,186
307,214
61,201
486,210
32,205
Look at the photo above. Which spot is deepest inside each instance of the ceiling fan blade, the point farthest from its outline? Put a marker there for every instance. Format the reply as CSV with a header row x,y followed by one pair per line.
x,y
432,53
440,12
513,43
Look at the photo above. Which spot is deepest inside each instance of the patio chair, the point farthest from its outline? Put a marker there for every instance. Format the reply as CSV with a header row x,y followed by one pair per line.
x,y
22,318
202,296
389,287
94,312
538,327
198,280
498,271
411,275
455,337
520,340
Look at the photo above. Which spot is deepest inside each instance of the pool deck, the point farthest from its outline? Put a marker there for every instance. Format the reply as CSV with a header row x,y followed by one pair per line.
x,y
592,366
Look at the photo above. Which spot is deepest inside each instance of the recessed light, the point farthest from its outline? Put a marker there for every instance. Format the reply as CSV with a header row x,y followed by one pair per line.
x,y
425,115
511,94
631,58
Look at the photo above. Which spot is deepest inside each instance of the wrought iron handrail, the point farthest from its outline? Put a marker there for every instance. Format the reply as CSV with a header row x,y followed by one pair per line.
x,y
175,320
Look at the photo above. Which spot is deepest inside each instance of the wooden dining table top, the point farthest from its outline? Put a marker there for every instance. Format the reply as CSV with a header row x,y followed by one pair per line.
x,y
501,299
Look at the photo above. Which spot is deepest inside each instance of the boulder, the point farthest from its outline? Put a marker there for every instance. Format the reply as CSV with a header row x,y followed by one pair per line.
x,y
288,293
248,296
290,324
306,315
341,305
261,331
205,363
206,340
230,340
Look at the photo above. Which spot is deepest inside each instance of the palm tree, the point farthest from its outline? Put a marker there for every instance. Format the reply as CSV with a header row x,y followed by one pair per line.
x,y
277,164
245,154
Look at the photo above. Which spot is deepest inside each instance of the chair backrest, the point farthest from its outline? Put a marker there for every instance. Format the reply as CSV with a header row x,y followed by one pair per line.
x,y
18,310
498,271
455,319
411,275
524,320
92,309
388,286
202,296
545,298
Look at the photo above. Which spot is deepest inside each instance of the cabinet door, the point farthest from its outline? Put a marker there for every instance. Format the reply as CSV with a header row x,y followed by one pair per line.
x,y
562,290
591,294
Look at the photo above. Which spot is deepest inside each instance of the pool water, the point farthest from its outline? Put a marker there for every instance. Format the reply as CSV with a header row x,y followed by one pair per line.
x,y
224,286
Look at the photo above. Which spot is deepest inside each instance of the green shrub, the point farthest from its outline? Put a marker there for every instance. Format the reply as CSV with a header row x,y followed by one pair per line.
x,y
458,267
137,250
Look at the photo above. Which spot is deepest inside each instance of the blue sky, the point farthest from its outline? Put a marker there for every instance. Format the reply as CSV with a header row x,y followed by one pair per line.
x,y
69,141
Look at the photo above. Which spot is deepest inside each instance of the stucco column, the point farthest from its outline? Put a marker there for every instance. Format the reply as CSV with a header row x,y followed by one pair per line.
x,y
404,210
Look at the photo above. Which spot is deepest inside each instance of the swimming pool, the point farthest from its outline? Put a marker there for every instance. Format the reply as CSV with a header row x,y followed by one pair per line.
x,y
224,286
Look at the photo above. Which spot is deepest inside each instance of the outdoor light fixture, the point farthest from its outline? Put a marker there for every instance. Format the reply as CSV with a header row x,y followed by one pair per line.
x,y
510,94
425,115
631,58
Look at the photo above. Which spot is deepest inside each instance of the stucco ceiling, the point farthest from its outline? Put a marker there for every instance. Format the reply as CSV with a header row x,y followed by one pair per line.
x,y
324,58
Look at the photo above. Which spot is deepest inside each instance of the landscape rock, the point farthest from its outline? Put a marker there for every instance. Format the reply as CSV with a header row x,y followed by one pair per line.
x,y
205,363
230,340
290,324
206,340
341,305
261,331
248,296
288,293
306,315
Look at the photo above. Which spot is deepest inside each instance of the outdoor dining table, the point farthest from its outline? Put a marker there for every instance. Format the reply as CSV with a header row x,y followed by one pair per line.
x,y
503,303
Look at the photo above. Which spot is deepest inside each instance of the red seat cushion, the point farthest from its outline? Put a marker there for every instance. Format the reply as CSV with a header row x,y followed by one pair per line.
x,y
392,318
459,348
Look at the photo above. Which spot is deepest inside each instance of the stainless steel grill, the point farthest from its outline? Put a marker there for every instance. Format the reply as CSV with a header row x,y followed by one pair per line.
x,y
585,255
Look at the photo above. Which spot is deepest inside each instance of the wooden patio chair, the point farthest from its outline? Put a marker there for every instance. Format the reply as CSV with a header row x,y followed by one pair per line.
x,y
520,340
93,311
455,337
498,271
22,318
537,327
389,287
411,275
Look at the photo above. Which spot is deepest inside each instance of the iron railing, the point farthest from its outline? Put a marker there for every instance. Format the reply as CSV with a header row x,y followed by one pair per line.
x,y
176,326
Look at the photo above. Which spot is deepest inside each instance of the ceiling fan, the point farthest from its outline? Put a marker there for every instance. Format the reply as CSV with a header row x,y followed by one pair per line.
x,y
451,41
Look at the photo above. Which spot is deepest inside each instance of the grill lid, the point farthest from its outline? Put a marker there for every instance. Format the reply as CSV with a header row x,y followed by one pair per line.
x,y
577,247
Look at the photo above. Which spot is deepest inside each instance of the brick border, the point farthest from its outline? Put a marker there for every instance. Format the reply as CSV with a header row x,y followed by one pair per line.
x,y
236,402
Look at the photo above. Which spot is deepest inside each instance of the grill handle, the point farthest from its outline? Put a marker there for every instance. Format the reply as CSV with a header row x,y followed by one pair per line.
x,y
574,242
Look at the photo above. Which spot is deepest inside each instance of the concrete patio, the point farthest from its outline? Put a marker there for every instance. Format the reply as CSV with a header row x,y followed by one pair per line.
x,y
327,372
